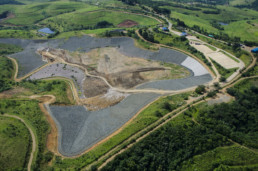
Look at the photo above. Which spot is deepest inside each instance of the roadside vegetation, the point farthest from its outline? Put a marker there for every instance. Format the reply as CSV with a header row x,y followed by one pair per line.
x,y
29,110
6,73
58,88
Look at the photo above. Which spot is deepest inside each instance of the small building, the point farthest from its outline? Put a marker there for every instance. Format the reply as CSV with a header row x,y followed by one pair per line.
x,y
165,29
255,50
183,34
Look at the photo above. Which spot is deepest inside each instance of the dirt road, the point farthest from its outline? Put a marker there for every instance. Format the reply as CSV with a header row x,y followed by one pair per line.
x,y
32,137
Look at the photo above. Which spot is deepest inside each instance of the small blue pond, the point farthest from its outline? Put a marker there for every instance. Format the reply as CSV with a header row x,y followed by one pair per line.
x,y
223,24
46,30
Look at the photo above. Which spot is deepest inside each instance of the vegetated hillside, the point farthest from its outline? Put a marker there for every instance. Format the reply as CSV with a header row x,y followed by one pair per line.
x,y
15,142
209,2
252,5
14,2
175,145
6,66
84,19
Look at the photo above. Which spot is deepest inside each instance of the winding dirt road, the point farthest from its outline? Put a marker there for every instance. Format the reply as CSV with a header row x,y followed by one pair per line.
x,y
33,137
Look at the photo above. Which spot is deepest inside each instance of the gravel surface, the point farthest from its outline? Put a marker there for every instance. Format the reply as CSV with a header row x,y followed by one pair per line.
x,y
80,129
62,70
28,59
177,84
87,43
194,66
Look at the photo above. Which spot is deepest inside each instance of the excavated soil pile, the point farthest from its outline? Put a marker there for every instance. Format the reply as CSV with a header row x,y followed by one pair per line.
x,y
94,87
127,23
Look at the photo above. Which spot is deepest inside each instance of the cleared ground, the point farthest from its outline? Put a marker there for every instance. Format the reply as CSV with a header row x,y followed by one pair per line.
x,y
217,56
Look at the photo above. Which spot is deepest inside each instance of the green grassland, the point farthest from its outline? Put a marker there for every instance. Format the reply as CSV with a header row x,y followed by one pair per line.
x,y
32,13
240,2
23,34
242,22
82,19
29,111
15,143
57,87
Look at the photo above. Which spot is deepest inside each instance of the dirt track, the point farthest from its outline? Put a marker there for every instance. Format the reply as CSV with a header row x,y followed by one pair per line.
x,y
33,137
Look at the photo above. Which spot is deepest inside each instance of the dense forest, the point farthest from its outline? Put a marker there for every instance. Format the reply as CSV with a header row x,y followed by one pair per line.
x,y
168,147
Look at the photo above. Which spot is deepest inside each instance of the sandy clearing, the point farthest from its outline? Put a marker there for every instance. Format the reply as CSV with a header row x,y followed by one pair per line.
x,y
223,60
219,57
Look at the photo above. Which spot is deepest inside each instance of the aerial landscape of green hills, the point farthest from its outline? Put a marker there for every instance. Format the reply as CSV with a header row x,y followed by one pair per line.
x,y
128,85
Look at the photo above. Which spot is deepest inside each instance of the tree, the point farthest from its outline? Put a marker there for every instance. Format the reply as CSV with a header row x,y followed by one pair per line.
x,y
200,89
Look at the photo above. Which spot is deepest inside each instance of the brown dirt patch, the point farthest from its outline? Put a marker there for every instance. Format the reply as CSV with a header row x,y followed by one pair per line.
x,y
94,87
100,102
128,23
52,143
13,92
9,16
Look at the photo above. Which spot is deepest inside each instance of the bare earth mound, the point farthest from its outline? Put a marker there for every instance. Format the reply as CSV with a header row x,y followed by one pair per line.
x,y
127,23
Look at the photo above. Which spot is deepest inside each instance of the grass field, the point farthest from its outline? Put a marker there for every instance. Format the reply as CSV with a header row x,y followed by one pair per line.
x,y
58,88
23,34
32,13
241,22
15,143
30,112
81,19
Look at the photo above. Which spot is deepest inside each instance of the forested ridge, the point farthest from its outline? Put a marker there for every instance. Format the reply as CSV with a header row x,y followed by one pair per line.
x,y
169,147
